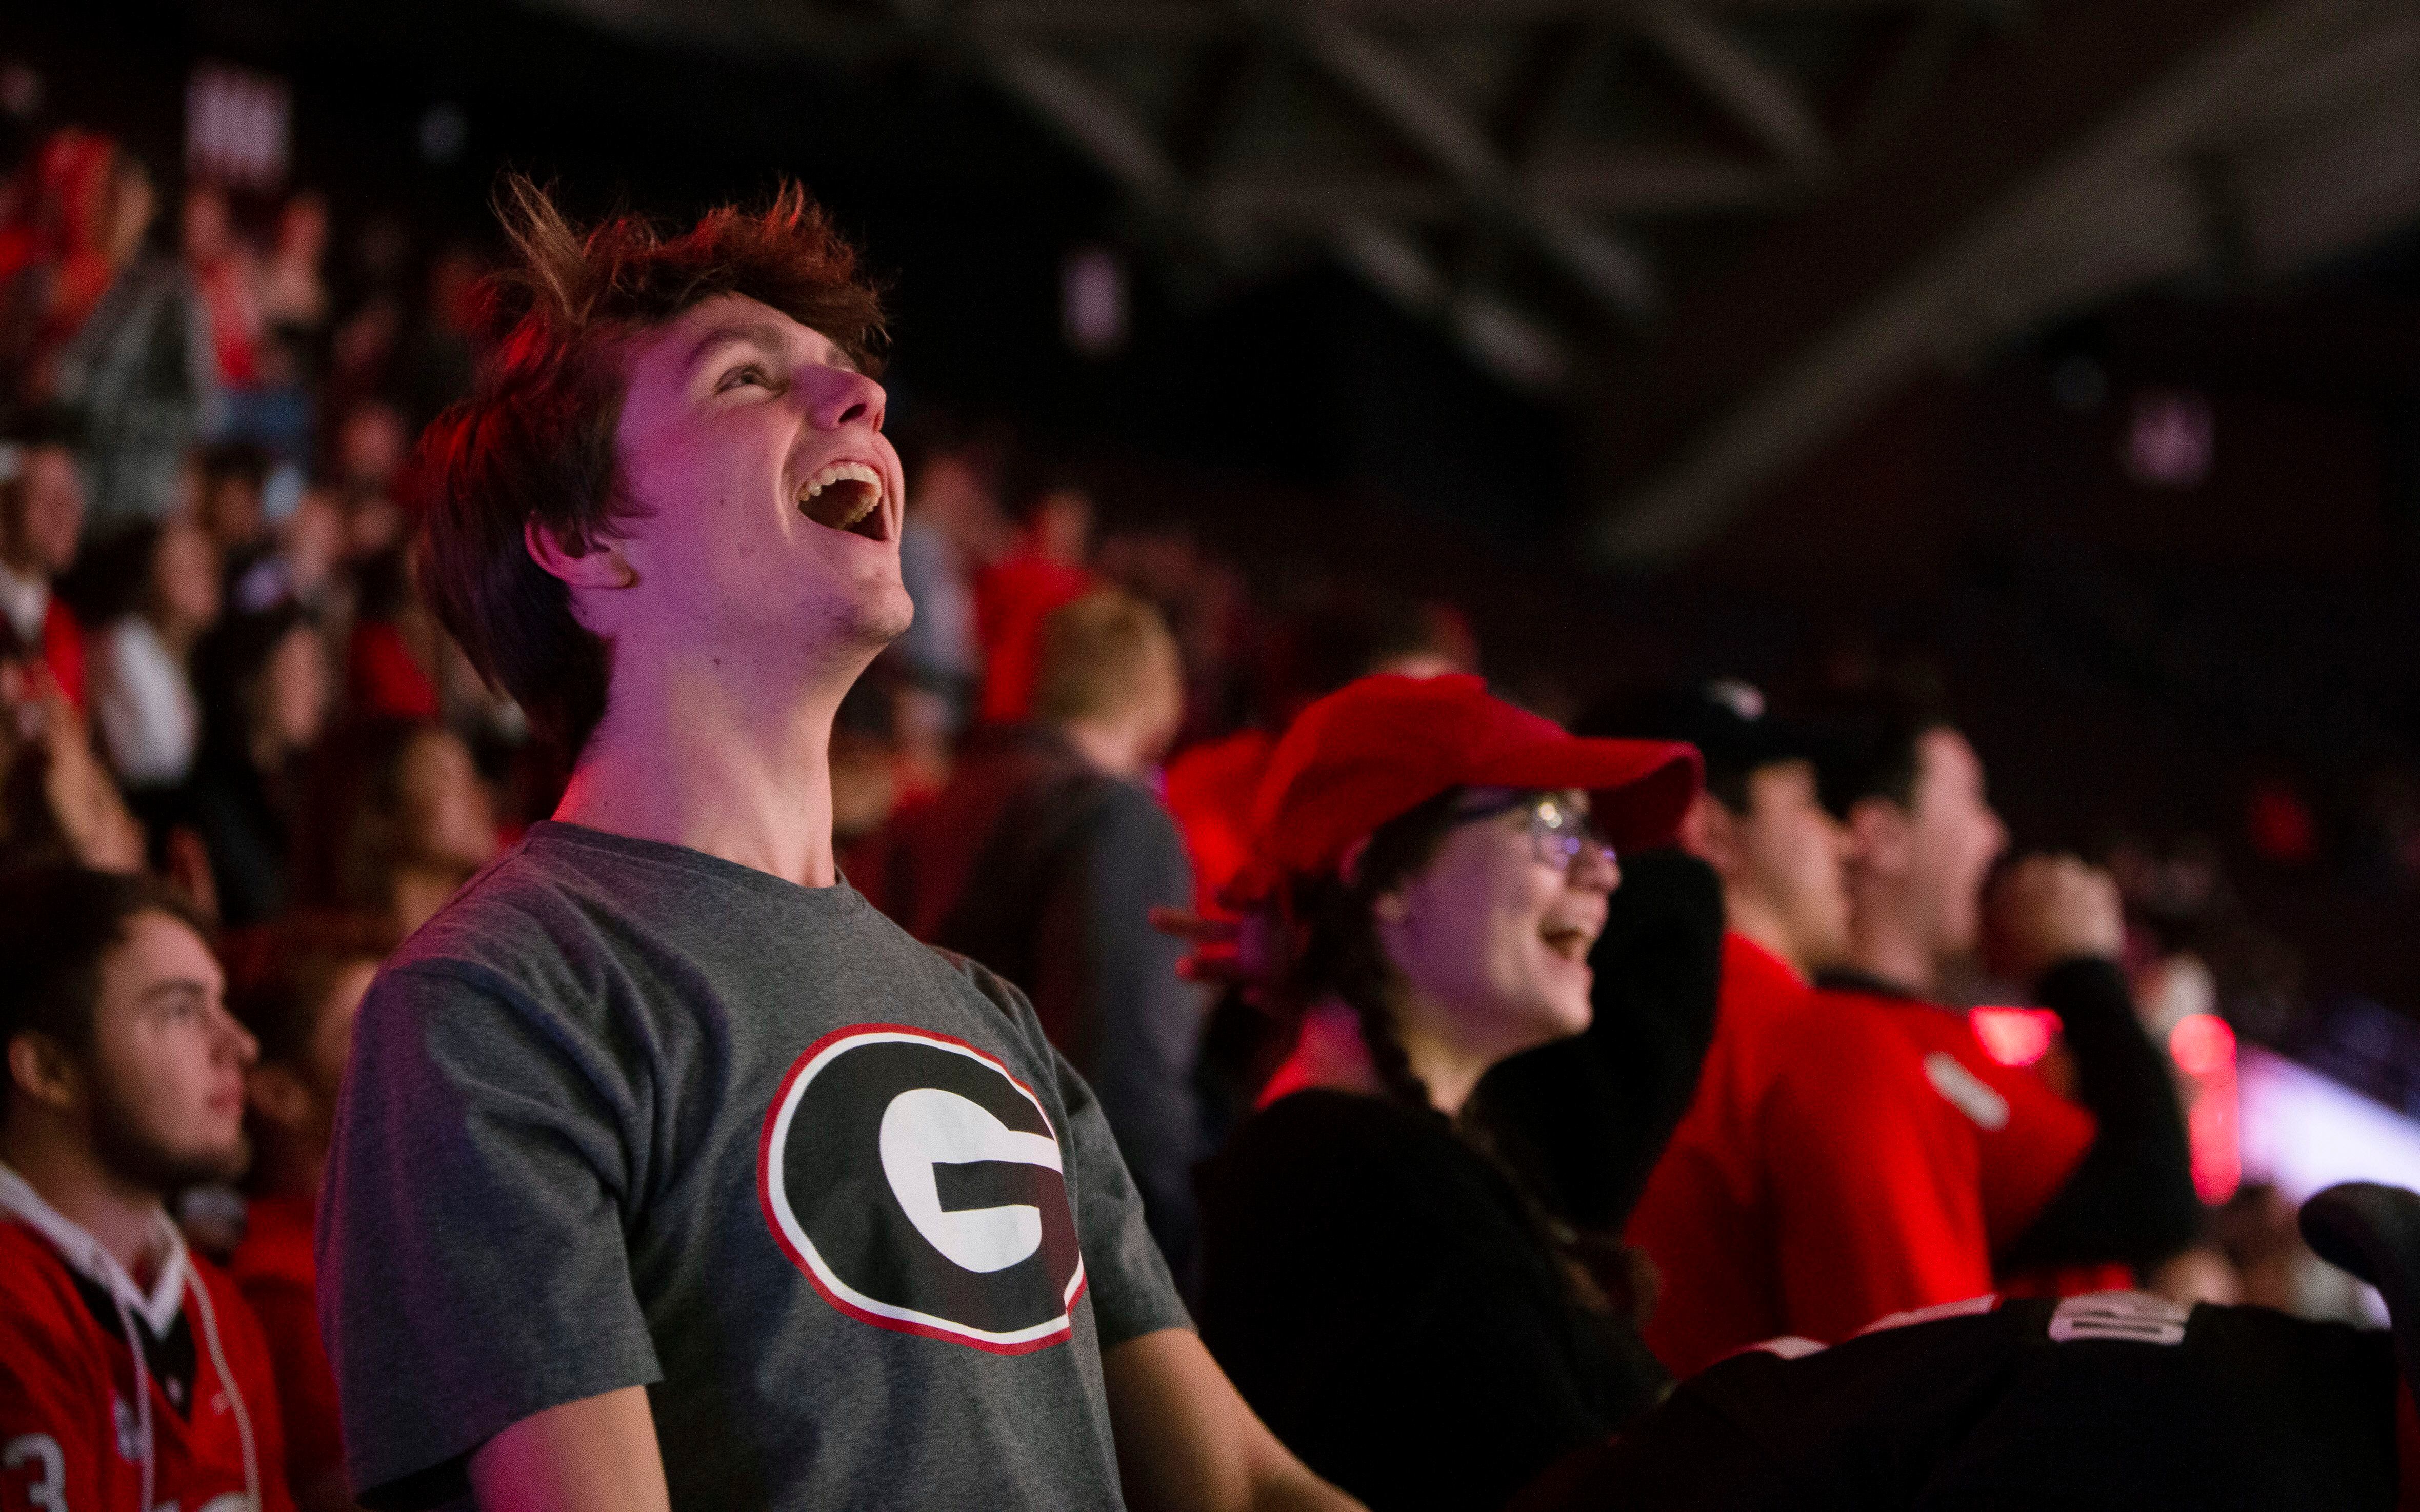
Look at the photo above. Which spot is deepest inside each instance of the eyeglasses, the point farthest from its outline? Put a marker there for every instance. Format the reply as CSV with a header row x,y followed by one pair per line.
x,y
1560,832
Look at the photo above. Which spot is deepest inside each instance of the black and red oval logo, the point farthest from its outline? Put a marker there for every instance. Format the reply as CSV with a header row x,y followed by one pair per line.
x,y
921,1188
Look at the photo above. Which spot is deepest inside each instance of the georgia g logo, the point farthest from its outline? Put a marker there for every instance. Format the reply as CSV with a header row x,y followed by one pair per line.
x,y
919,1186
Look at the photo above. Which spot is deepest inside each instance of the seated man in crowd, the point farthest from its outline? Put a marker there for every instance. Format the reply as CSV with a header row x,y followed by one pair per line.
x,y
1042,859
132,1375
668,1172
2070,1198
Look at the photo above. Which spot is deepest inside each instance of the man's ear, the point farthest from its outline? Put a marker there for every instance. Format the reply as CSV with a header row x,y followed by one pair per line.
x,y
1708,832
1880,837
602,566
40,1069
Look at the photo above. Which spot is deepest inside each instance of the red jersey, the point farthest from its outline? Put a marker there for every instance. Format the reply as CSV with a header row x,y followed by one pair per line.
x,y
73,1404
2018,1144
274,1268
1011,599
1831,1172
63,650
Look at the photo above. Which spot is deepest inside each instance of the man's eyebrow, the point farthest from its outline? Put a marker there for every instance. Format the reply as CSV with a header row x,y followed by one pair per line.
x,y
766,335
763,333
175,987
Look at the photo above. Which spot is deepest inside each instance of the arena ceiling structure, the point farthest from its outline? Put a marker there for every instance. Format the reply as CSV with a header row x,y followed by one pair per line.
x,y
1716,231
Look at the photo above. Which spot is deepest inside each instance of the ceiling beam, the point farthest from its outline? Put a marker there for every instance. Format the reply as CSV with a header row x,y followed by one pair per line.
x,y
2033,143
1601,262
1759,99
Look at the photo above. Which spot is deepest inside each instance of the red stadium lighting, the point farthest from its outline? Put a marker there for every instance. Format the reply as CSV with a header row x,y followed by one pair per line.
x,y
2015,1035
2203,1048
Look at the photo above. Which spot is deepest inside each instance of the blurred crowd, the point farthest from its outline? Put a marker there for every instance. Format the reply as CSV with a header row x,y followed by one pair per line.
x,y
217,669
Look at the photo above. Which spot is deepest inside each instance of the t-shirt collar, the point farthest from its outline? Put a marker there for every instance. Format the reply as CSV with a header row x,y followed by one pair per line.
x,y
86,1257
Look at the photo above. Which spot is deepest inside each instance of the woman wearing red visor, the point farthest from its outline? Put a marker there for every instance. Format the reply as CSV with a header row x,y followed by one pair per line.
x,y
1397,1306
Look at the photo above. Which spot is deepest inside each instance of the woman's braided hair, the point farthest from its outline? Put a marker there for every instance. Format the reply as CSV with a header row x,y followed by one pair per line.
x,y
1340,954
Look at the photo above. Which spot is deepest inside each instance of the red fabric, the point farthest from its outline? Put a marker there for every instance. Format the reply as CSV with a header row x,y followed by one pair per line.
x,y
1209,790
63,650
275,1270
234,319
1381,745
1011,599
1818,1182
382,677
64,1376
2019,1165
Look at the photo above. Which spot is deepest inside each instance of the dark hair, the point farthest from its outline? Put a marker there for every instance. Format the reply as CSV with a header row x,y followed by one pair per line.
x,y
351,837
1873,748
534,442
279,974
1340,952
234,462
229,668
56,924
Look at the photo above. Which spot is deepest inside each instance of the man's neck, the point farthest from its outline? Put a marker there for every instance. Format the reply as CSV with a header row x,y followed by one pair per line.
x,y
1107,746
1748,916
687,758
62,1169
1879,950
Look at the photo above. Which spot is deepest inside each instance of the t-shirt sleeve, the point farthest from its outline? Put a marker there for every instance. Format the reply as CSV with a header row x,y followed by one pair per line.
x,y
473,1268
1872,1216
1131,1290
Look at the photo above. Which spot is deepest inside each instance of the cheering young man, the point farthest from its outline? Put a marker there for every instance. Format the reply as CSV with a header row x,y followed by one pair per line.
x,y
669,1172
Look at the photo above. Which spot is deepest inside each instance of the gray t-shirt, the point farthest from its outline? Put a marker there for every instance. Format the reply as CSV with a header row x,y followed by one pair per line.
x,y
626,1114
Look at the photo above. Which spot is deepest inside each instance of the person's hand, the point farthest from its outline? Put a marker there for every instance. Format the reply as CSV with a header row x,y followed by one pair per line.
x,y
1227,952
2052,909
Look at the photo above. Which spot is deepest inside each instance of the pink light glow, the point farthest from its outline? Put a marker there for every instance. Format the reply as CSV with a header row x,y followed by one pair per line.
x,y
2015,1035
2203,1048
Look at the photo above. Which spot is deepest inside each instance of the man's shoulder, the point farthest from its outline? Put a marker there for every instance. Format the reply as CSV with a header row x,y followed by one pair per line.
x,y
38,1295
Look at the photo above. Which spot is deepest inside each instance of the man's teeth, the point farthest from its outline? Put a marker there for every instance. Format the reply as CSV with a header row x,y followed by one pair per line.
x,y
843,472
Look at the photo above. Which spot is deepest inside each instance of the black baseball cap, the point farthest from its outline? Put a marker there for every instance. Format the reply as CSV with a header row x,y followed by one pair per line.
x,y
1727,718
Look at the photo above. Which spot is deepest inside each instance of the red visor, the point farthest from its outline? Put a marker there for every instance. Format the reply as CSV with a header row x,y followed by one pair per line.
x,y
1383,745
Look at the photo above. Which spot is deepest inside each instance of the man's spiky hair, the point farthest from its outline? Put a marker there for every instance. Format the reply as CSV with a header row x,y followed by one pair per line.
x,y
534,442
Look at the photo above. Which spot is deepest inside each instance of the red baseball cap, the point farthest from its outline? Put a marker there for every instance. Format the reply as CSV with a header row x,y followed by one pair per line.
x,y
1383,745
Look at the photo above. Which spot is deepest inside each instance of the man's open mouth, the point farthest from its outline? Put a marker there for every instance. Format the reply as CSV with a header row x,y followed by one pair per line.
x,y
846,496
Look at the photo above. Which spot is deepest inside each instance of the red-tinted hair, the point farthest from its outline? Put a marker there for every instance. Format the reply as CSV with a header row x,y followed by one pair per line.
x,y
535,441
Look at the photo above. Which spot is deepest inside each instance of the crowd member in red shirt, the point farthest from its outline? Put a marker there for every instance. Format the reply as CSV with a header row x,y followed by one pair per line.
x,y
132,1375
1013,596
2051,1196
295,985
41,516
1755,1215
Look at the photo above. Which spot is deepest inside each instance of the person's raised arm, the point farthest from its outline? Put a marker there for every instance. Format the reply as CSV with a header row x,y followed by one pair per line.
x,y
1186,1440
596,1454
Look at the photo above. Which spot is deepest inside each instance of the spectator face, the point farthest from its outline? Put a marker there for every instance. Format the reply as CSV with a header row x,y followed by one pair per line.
x,y
295,692
303,230
370,448
165,1080
733,412
447,806
204,232
1063,527
185,578
49,514
300,1100
231,512
1788,851
1494,940
1953,838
